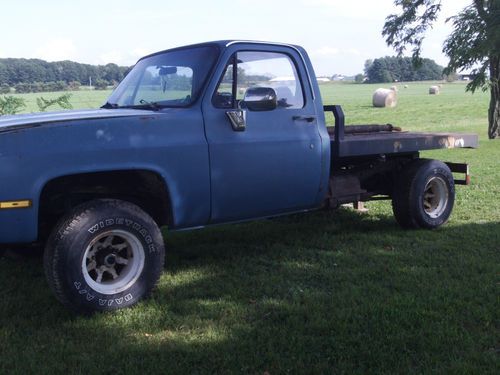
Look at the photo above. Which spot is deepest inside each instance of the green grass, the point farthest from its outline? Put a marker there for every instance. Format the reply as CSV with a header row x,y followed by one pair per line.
x,y
321,293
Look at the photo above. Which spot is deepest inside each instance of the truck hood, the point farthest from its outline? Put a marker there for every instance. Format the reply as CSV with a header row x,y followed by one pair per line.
x,y
18,122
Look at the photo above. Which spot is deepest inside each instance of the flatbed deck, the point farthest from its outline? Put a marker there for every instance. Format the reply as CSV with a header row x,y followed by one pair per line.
x,y
345,144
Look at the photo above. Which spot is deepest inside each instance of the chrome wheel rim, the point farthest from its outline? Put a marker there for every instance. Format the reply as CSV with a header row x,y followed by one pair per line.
x,y
435,197
113,261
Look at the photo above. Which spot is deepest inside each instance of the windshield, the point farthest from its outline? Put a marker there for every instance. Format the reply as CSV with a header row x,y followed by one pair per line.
x,y
170,79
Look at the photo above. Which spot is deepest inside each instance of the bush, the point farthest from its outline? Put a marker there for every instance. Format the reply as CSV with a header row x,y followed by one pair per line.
x,y
22,88
36,87
10,105
49,86
4,89
101,84
62,101
359,78
451,77
74,86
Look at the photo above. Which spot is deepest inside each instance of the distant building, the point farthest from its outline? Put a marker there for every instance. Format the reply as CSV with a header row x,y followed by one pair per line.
x,y
323,79
466,77
338,77
283,79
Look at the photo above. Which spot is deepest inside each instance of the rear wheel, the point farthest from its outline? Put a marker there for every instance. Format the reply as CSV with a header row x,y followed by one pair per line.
x,y
423,195
104,255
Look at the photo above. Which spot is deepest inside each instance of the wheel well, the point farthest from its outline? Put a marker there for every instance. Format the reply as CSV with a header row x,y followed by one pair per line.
x,y
146,189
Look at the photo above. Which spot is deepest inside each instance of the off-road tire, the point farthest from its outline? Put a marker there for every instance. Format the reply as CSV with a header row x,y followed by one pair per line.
x,y
423,195
108,238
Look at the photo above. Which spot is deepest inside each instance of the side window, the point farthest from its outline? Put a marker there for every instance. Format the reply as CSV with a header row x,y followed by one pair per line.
x,y
261,69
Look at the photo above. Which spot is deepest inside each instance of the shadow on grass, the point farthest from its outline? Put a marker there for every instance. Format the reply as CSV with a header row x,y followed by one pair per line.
x,y
318,293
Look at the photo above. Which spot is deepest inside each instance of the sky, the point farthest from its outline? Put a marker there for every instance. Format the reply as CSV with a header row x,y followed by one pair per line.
x,y
339,35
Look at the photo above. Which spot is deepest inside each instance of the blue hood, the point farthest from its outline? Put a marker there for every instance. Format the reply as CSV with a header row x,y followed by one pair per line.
x,y
18,122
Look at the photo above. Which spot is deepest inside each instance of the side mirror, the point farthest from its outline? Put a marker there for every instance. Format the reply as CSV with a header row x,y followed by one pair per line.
x,y
260,99
167,70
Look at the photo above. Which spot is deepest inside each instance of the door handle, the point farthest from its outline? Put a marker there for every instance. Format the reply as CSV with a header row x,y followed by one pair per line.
x,y
308,119
238,118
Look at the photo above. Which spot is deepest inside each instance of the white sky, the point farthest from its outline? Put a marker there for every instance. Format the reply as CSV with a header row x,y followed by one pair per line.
x,y
338,34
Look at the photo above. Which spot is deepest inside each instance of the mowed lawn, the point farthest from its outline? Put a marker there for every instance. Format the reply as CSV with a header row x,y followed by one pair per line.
x,y
335,292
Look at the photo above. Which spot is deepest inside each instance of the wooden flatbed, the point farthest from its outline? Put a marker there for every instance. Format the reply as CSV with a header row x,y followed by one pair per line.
x,y
348,144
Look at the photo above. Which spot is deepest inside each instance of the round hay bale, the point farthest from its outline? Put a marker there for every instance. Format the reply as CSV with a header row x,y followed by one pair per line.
x,y
405,86
434,90
384,98
394,88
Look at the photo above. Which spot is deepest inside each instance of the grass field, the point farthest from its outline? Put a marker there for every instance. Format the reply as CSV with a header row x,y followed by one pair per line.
x,y
322,293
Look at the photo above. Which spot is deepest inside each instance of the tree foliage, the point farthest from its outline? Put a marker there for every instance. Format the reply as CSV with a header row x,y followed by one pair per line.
x,y
397,69
31,71
473,45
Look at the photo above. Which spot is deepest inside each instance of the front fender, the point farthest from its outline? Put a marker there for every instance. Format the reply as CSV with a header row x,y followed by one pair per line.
x,y
175,150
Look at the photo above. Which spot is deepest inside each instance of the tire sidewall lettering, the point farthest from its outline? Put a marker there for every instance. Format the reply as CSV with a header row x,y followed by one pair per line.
x,y
140,229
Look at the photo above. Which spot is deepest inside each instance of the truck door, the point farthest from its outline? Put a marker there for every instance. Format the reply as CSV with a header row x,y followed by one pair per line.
x,y
271,162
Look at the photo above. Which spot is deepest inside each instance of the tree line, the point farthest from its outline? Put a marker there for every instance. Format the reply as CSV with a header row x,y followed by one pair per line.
x,y
34,75
398,69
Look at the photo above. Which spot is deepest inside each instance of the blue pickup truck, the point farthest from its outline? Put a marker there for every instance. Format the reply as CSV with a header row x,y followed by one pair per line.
x,y
194,136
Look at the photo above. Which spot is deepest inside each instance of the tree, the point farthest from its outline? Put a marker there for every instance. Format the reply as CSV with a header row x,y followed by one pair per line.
x,y
474,43
391,69
30,71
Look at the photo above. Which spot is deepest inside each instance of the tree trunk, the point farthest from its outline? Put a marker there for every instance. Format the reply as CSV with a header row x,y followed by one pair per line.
x,y
494,110
494,114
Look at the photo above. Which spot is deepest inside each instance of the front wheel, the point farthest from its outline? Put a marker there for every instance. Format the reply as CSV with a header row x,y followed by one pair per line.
x,y
104,255
423,194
